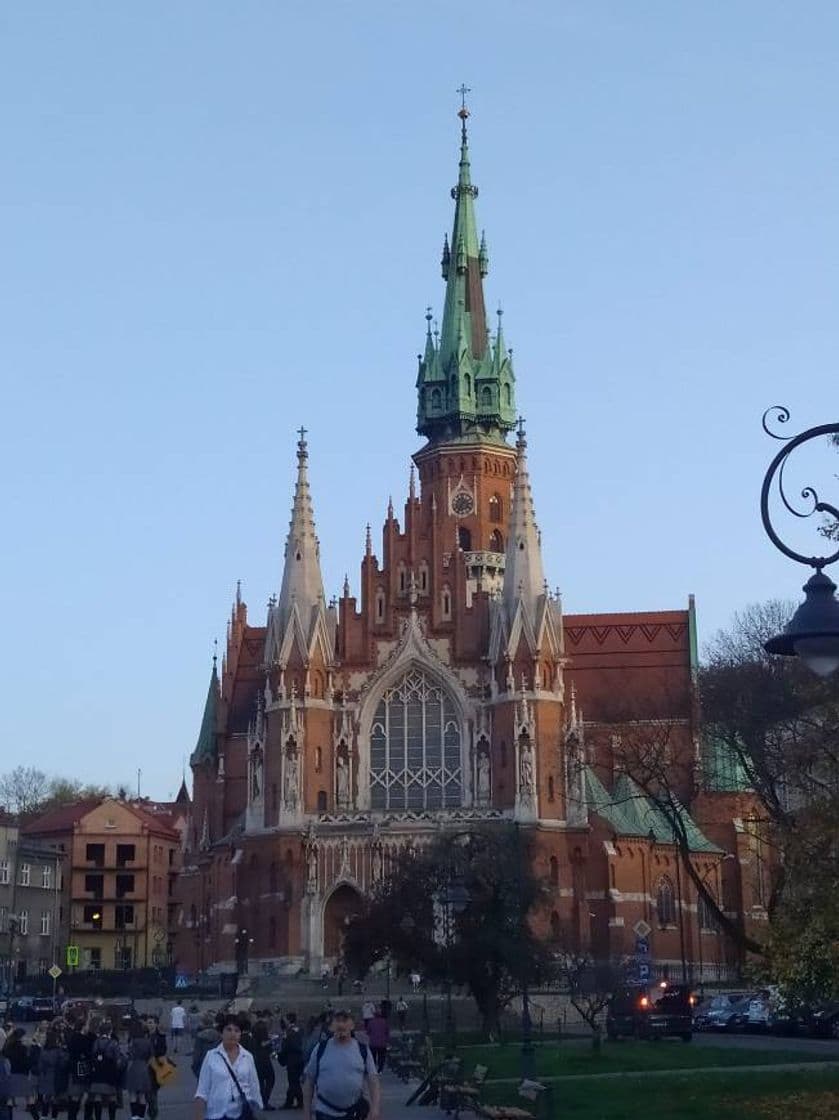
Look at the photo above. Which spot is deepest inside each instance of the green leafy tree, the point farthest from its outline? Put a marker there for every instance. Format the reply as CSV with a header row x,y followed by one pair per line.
x,y
414,917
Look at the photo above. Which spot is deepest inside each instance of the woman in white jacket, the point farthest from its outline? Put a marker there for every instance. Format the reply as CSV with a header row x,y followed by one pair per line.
x,y
218,1097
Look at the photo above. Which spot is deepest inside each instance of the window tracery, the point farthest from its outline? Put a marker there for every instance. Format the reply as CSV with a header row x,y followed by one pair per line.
x,y
415,747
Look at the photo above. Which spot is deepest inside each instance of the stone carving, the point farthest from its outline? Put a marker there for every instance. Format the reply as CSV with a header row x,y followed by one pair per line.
x,y
526,769
342,782
291,783
483,784
256,774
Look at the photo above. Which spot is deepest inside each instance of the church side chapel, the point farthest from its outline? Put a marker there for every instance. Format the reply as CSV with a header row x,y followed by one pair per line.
x,y
451,690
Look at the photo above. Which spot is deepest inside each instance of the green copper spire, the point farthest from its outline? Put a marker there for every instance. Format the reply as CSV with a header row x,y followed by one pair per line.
x,y
465,387
205,748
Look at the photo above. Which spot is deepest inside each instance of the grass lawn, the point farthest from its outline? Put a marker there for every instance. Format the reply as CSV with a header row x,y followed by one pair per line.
x,y
717,1096
558,1060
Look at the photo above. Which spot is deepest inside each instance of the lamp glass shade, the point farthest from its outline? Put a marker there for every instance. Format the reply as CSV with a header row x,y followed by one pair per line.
x,y
820,655
813,631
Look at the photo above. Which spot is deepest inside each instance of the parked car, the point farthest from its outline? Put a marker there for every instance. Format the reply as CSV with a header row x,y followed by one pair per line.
x,y
718,1012
43,1007
638,1013
824,1021
21,1010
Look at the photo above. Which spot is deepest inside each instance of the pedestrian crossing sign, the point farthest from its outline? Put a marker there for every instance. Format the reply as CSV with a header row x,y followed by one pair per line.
x,y
72,956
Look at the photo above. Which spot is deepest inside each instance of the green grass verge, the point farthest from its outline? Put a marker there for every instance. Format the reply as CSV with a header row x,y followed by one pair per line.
x,y
713,1096
559,1060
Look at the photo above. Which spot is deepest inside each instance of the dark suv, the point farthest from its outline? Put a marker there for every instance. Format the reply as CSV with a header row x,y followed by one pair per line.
x,y
663,1011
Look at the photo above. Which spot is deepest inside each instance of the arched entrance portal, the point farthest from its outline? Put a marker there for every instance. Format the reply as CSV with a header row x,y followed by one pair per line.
x,y
341,907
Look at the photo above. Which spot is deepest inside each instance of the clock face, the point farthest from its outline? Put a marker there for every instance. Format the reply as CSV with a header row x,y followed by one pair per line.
x,y
462,503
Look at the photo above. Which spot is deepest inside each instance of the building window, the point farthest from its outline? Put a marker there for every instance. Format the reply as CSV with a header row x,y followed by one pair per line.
x,y
45,923
318,760
125,885
95,885
23,923
436,400
446,603
486,396
496,542
126,852
273,877
123,916
93,959
707,915
95,854
554,871
92,916
4,871
495,509
415,760
380,605
464,539
25,874
4,919
321,800
401,577
665,902
46,878
555,927
423,577
43,966
550,788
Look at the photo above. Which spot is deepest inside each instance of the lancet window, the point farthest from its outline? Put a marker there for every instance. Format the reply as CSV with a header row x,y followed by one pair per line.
x,y
415,747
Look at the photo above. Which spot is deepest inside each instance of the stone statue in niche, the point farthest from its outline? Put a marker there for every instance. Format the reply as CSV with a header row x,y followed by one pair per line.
x,y
483,783
342,781
377,862
290,784
526,768
256,774
312,870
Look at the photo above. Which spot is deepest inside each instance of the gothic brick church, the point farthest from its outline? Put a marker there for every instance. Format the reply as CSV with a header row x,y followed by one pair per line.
x,y
453,690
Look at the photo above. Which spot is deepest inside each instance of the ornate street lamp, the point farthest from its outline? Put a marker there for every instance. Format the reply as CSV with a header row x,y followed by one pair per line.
x,y
813,631
455,899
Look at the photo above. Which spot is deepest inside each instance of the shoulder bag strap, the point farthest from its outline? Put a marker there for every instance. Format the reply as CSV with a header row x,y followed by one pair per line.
x,y
235,1079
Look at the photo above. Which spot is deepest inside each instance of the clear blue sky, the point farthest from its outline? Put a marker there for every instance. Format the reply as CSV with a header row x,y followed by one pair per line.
x,y
220,221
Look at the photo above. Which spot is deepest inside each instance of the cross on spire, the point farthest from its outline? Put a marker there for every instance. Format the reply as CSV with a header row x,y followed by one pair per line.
x,y
463,90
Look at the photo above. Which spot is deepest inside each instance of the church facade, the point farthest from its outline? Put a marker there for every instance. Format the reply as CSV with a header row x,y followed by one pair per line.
x,y
452,692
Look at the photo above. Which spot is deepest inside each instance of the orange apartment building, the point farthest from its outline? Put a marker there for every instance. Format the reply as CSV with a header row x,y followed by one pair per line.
x,y
122,861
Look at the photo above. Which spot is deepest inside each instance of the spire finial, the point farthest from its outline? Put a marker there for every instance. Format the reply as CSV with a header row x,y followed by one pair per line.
x,y
368,541
412,483
238,593
463,112
521,435
302,446
215,654
346,586
428,317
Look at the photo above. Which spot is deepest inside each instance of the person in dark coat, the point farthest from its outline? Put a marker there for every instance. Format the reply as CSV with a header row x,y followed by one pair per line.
x,y
157,1038
261,1047
292,1057
52,1074
138,1076
17,1053
79,1042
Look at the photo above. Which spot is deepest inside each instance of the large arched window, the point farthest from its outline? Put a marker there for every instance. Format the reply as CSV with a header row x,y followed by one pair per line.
x,y
665,902
415,747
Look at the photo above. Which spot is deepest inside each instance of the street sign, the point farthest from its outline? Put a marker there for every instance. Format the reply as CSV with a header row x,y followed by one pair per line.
x,y
643,972
181,980
642,946
55,972
642,928
72,956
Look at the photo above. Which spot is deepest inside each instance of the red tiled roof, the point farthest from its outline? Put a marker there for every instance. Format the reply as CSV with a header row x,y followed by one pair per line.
x,y
61,818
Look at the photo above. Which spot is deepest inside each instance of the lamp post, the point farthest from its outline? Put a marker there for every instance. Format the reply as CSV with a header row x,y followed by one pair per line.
x,y
455,899
813,631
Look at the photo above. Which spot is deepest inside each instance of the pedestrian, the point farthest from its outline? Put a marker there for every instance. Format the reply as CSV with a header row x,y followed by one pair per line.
x,y
368,1010
5,1085
79,1041
177,1023
206,1038
17,1054
138,1075
337,1073
416,980
378,1035
291,1056
261,1048
158,1048
227,1078
402,1012
108,1066
52,1074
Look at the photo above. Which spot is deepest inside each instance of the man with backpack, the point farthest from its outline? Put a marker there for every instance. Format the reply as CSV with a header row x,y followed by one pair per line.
x,y
337,1073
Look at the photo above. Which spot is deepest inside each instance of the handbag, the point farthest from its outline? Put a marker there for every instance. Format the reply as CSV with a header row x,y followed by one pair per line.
x,y
249,1112
162,1070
